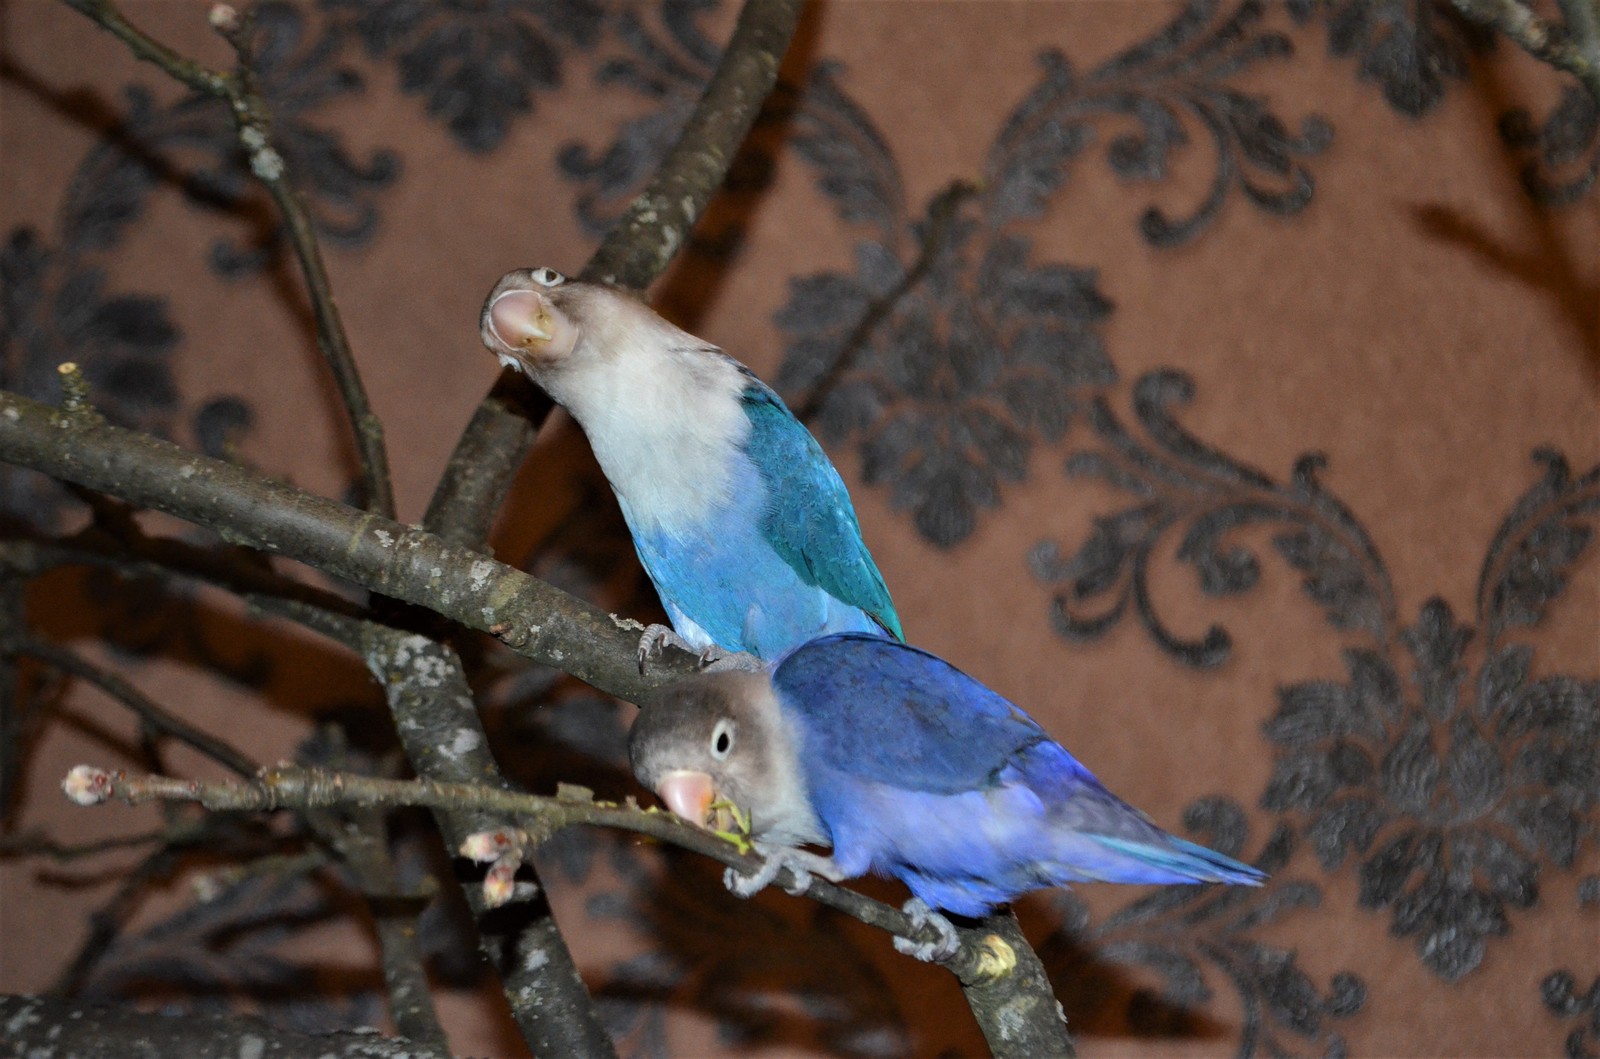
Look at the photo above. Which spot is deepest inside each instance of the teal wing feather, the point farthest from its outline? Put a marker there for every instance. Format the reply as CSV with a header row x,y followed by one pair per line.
x,y
810,521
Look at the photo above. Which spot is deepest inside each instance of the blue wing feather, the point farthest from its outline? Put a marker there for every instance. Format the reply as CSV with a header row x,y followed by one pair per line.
x,y
946,733
810,521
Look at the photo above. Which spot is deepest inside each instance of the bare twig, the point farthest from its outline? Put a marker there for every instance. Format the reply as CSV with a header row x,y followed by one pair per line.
x,y
1574,48
443,738
308,789
236,571
359,838
148,711
438,727
633,254
196,76
253,122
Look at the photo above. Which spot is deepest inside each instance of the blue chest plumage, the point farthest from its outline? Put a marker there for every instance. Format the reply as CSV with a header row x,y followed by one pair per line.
x,y
780,560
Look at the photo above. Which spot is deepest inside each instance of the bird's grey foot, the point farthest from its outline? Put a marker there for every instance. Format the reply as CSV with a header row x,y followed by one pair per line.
x,y
715,660
657,638
928,951
803,865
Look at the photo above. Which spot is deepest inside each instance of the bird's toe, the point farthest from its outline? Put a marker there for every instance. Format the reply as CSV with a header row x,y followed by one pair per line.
x,y
923,917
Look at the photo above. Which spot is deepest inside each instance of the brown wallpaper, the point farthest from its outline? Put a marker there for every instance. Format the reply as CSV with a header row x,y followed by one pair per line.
x,y
1248,233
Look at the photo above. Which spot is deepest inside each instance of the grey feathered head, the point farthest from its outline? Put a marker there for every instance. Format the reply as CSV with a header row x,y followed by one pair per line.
x,y
722,736
537,321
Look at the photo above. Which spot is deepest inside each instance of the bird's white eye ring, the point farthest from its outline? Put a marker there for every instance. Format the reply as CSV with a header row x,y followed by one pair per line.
x,y
548,277
722,739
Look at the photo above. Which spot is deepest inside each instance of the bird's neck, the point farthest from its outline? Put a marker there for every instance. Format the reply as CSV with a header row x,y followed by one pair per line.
x,y
665,418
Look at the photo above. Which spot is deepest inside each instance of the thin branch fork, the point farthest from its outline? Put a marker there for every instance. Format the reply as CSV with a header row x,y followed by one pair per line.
x,y
252,121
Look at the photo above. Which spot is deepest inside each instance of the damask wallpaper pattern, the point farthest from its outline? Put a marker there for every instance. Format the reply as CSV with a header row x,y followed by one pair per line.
x,y
1217,379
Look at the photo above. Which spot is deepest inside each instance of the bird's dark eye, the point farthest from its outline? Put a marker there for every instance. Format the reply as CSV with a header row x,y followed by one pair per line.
x,y
548,277
722,739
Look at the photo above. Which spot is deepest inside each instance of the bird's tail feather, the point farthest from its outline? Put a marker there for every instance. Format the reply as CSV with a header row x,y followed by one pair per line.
x,y
1178,860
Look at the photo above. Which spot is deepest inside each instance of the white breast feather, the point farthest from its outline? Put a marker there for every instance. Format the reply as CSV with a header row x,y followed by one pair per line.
x,y
664,418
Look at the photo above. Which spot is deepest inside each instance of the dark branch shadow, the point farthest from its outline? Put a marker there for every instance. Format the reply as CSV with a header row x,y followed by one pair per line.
x,y
1545,262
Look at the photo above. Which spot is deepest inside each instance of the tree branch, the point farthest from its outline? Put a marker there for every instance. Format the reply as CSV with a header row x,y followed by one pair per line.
x,y
395,560
657,223
534,618
252,121
496,442
979,959
236,571
443,737
492,448
108,17
36,842
46,1026
441,734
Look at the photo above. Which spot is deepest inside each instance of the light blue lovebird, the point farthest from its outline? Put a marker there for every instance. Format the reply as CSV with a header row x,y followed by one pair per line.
x,y
906,767
738,517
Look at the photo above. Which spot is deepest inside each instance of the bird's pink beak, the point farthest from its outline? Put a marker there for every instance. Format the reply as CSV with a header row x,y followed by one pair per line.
x,y
689,794
519,319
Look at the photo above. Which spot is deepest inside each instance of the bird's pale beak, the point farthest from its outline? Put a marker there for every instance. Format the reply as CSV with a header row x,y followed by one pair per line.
x,y
689,794
520,319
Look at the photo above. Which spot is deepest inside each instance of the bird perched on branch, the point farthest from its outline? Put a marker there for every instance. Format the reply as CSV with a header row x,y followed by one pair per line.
x,y
907,767
739,518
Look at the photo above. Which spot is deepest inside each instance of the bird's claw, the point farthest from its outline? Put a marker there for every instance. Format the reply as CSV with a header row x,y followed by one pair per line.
x,y
747,886
713,659
803,867
656,639
944,947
